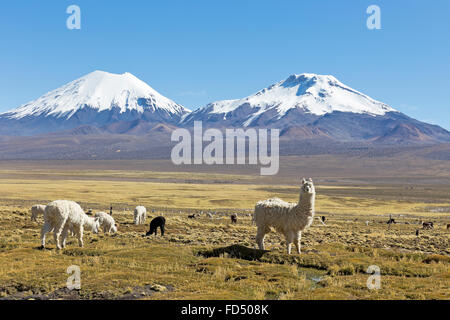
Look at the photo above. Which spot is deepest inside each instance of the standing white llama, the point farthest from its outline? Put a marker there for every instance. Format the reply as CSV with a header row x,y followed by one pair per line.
x,y
140,214
287,218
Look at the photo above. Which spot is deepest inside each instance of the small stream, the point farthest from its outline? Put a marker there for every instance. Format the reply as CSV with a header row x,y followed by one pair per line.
x,y
313,275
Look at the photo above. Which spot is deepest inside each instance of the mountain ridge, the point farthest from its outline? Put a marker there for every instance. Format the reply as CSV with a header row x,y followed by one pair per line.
x,y
303,106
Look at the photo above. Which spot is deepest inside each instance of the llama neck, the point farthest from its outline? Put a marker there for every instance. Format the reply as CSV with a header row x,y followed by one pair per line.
x,y
306,204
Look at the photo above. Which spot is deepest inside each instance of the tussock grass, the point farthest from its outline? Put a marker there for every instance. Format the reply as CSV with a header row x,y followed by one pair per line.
x,y
210,258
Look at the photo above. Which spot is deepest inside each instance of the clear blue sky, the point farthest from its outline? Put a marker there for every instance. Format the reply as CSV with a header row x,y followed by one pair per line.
x,y
199,51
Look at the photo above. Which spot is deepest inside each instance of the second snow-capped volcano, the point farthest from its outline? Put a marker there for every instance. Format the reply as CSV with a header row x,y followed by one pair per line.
x,y
308,94
310,106
98,98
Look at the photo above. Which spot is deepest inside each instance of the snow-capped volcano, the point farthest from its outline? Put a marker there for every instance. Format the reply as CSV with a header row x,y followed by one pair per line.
x,y
310,94
101,91
311,106
98,98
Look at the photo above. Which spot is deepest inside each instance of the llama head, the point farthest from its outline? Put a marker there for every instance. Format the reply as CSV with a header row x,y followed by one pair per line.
x,y
308,187
114,229
151,231
93,224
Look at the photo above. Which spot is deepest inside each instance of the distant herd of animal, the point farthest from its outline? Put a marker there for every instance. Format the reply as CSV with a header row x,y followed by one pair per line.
x,y
63,217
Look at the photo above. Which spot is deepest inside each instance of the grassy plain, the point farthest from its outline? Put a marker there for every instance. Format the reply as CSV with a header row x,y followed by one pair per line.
x,y
212,259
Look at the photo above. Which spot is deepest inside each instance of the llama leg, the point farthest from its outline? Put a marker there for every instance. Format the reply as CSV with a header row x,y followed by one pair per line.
x,y
289,239
288,243
80,237
45,228
64,235
297,239
57,233
162,231
260,237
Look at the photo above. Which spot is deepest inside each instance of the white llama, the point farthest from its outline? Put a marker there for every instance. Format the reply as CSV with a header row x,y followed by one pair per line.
x,y
140,213
107,223
287,218
62,216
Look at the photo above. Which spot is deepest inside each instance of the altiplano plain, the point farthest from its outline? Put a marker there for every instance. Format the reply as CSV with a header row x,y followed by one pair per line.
x,y
208,258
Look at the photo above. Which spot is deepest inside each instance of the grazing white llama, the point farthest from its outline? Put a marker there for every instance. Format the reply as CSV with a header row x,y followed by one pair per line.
x,y
107,222
140,213
287,218
63,216
37,210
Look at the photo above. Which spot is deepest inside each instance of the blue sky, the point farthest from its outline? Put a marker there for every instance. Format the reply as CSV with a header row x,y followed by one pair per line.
x,y
199,51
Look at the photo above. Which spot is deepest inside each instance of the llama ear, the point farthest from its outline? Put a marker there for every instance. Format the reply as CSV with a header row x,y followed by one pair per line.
x,y
303,181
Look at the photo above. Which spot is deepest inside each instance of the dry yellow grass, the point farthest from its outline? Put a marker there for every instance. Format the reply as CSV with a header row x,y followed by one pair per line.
x,y
206,195
194,260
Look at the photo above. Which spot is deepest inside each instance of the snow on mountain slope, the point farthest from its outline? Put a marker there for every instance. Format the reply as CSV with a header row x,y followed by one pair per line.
x,y
100,91
309,93
305,106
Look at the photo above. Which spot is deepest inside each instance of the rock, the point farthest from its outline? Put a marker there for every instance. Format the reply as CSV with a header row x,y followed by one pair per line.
x,y
158,287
